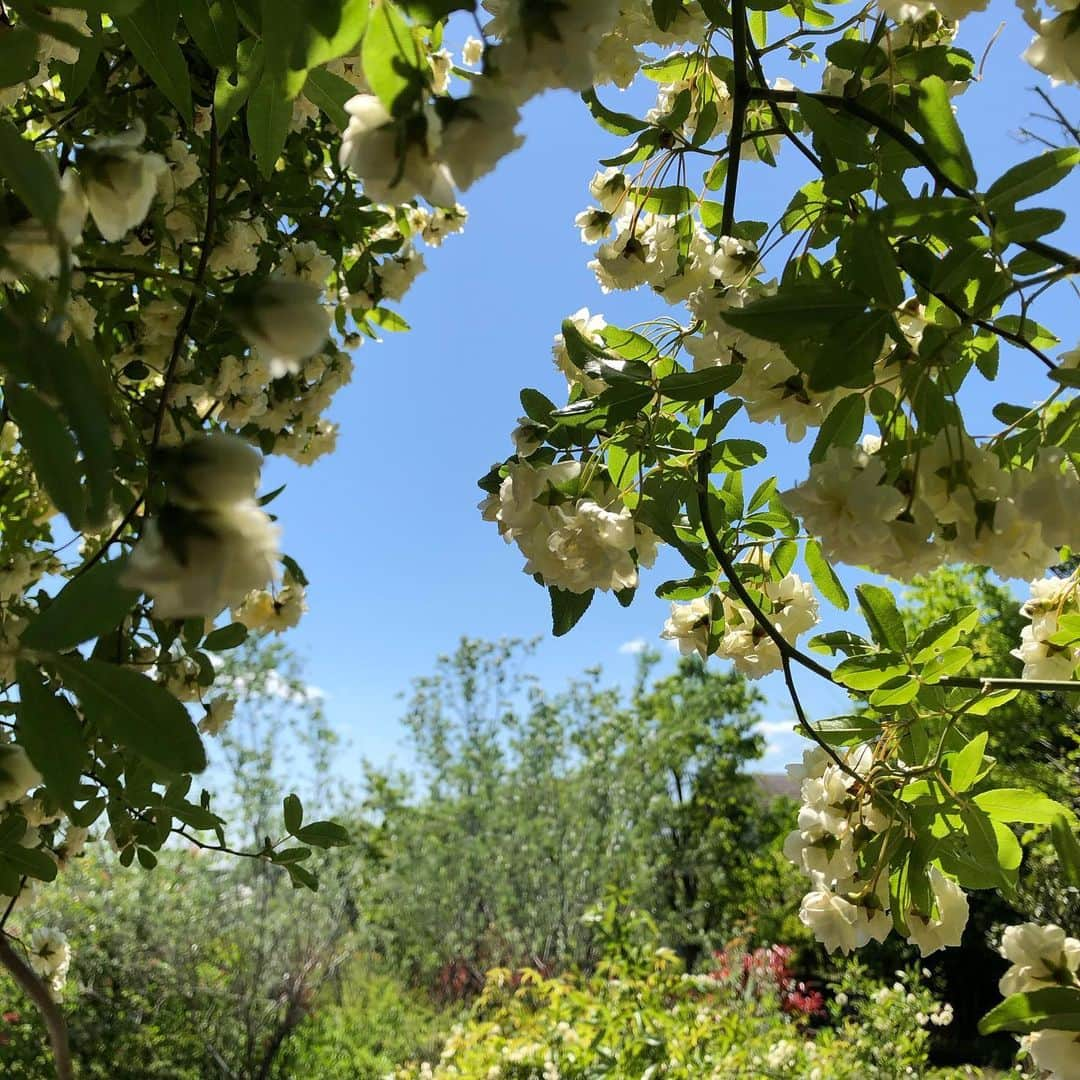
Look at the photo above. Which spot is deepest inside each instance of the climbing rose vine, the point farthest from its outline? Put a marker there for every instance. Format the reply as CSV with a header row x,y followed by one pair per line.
x,y
207,205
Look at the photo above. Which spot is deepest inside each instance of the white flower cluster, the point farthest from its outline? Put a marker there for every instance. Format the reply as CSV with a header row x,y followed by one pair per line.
x,y
1043,956
836,818
1042,659
949,500
50,957
788,603
574,531
211,544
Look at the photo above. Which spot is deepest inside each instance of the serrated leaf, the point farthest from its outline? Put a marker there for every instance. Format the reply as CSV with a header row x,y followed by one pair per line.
x,y
391,59
1030,177
940,131
269,113
618,123
213,26
824,576
141,716
685,588
31,175
842,426
882,617
150,33
52,450
86,607
1054,1007
567,609
48,729
330,92
965,764
1012,805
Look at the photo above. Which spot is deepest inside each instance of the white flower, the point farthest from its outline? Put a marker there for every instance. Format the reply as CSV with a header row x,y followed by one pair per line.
x,y
472,52
120,181
688,626
1055,50
285,320
591,328
370,148
441,64
734,261
1043,661
1040,956
479,134
832,920
218,714
198,562
930,932
263,611
214,471
1056,1052
29,244
17,773
49,952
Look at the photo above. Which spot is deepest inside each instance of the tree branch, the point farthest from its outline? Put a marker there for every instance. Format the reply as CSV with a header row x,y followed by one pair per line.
x,y
39,994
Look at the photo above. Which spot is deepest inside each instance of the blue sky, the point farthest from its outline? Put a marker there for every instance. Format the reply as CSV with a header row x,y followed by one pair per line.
x,y
400,562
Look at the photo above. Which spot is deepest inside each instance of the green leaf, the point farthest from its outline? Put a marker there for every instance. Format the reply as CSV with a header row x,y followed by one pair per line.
x,y
233,88
842,427
329,92
698,385
150,34
18,55
213,26
1020,226
1030,177
29,862
392,62
685,588
869,671
49,730
1054,1007
47,440
32,176
1068,850
293,813
567,609
226,637
1012,805
86,607
797,312
870,263
882,616
323,834
665,12
304,34
269,112
843,730
965,765
136,712
429,12
824,576
617,123
729,455
940,131
842,139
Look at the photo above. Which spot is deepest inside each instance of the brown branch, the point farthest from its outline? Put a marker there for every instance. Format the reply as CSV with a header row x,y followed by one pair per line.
x,y
193,300
50,1011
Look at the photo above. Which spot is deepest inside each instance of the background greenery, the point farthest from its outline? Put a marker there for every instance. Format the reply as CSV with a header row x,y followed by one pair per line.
x,y
591,848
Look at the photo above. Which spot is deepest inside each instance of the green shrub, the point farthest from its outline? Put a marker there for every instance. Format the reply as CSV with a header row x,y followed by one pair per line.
x,y
361,1029
640,1015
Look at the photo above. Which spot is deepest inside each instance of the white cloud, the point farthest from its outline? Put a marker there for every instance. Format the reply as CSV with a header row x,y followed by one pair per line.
x,y
775,727
632,648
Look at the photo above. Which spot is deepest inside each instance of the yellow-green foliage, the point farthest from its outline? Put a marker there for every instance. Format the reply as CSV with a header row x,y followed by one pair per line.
x,y
640,1017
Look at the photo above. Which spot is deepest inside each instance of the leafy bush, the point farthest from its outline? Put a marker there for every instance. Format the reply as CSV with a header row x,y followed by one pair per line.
x,y
642,1015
